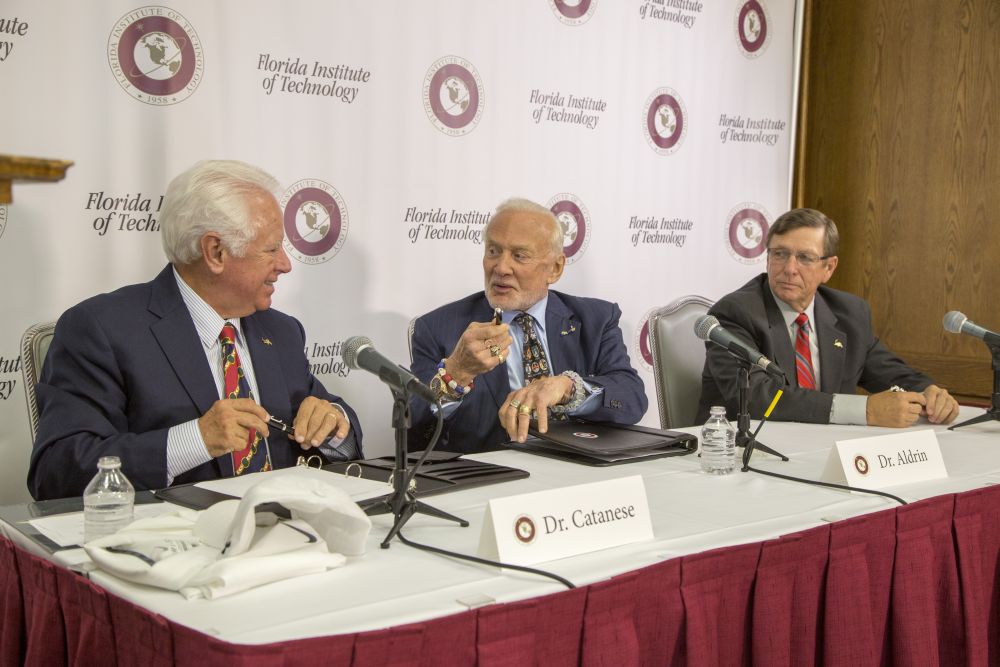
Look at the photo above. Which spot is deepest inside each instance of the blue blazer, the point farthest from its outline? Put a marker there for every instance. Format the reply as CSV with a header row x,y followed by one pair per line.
x,y
583,336
124,367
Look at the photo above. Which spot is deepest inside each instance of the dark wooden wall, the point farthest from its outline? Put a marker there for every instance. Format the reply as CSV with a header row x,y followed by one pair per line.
x,y
899,143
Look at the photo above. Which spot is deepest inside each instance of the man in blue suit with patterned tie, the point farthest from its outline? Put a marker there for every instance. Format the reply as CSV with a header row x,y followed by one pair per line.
x,y
548,354
177,376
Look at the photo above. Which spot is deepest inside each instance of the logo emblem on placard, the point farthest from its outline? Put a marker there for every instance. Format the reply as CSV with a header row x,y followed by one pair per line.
x,y
746,232
524,529
588,436
453,95
575,223
641,342
664,121
861,465
573,12
752,32
155,55
316,221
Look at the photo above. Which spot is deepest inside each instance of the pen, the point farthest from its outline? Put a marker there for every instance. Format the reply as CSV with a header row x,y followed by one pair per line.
x,y
276,423
497,315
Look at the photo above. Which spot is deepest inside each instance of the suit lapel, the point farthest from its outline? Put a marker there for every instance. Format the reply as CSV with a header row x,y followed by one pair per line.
x,y
832,344
177,337
562,333
784,353
266,367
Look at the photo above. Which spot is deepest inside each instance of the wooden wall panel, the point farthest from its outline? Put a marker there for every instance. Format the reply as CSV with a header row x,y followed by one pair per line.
x,y
899,143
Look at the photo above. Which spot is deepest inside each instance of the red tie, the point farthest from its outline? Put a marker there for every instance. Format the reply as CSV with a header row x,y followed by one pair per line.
x,y
254,457
803,356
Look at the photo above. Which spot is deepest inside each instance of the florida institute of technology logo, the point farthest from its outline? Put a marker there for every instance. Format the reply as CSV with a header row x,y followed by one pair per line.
x,y
573,12
575,223
664,121
746,232
453,95
524,529
155,55
316,221
641,345
752,32
861,465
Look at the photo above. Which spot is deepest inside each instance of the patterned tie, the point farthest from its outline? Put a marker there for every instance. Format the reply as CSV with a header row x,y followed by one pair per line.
x,y
253,457
803,357
535,363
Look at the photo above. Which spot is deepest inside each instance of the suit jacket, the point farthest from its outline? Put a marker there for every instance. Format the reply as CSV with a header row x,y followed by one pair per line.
x,y
124,367
583,336
860,359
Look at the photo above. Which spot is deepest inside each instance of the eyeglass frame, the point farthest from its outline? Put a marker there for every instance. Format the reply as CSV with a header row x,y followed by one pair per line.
x,y
801,258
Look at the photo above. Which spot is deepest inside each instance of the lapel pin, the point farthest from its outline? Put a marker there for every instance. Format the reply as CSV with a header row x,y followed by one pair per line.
x,y
564,333
837,343
267,341
572,327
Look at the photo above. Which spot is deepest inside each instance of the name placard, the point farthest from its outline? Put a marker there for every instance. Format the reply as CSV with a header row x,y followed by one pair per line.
x,y
886,460
545,525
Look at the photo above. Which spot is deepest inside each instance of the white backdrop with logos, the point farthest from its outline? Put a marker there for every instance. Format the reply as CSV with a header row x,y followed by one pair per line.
x,y
659,131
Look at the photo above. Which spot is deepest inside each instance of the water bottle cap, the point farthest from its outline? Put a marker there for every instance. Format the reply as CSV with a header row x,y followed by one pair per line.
x,y
717,410
109,462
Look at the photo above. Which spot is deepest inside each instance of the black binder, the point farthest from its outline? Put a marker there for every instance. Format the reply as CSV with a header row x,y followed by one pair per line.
x,y
601,444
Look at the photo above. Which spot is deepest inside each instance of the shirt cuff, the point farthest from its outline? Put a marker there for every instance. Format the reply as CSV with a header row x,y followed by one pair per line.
x,y
591,403
185,449
341,449
849,409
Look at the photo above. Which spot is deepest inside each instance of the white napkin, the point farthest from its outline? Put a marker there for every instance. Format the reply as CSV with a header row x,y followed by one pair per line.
x,y
230,548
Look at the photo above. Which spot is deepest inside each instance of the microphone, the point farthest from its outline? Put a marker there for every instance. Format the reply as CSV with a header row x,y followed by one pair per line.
x,y
707,327
956,322
360,353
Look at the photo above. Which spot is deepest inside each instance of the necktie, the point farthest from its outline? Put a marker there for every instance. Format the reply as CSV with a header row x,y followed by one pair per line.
x,y
535,363
803,356
254,457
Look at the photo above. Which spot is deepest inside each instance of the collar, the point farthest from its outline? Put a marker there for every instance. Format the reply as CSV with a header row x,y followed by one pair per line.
x,y
789,314
537,312
207,322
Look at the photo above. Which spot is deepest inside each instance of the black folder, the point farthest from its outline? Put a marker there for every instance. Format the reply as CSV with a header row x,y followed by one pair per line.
x,y
602,444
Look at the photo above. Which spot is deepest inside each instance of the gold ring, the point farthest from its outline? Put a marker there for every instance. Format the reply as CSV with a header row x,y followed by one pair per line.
x,y
524,410
515,403
495,350
489,342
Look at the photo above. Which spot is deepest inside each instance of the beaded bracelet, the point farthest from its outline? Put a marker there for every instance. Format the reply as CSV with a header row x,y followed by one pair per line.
x,y
450,382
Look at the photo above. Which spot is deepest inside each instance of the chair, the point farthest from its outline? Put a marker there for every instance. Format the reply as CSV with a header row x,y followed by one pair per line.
x,y
34,346
678,359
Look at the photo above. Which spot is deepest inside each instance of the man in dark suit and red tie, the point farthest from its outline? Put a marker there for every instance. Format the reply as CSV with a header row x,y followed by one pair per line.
x,y
548,354
822,337
178,376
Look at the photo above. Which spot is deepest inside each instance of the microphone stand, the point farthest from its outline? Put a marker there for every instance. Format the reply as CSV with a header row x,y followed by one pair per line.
x,y
401,503
744,438
993,414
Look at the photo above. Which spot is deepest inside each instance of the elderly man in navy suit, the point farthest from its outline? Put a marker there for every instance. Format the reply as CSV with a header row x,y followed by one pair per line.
x,y
548,354
177,377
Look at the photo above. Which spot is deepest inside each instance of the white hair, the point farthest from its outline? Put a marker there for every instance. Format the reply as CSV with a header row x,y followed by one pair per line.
x,y
211,196
522,205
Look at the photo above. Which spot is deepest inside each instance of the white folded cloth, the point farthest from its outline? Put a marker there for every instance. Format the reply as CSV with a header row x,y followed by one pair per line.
x,y
229,547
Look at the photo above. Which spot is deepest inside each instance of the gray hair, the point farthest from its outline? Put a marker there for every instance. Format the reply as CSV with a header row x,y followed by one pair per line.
x,y
522,205
211,196
811,218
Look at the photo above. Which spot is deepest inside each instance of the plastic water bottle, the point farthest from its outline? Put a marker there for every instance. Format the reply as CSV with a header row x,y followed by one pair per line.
x,y
718,444
108,500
